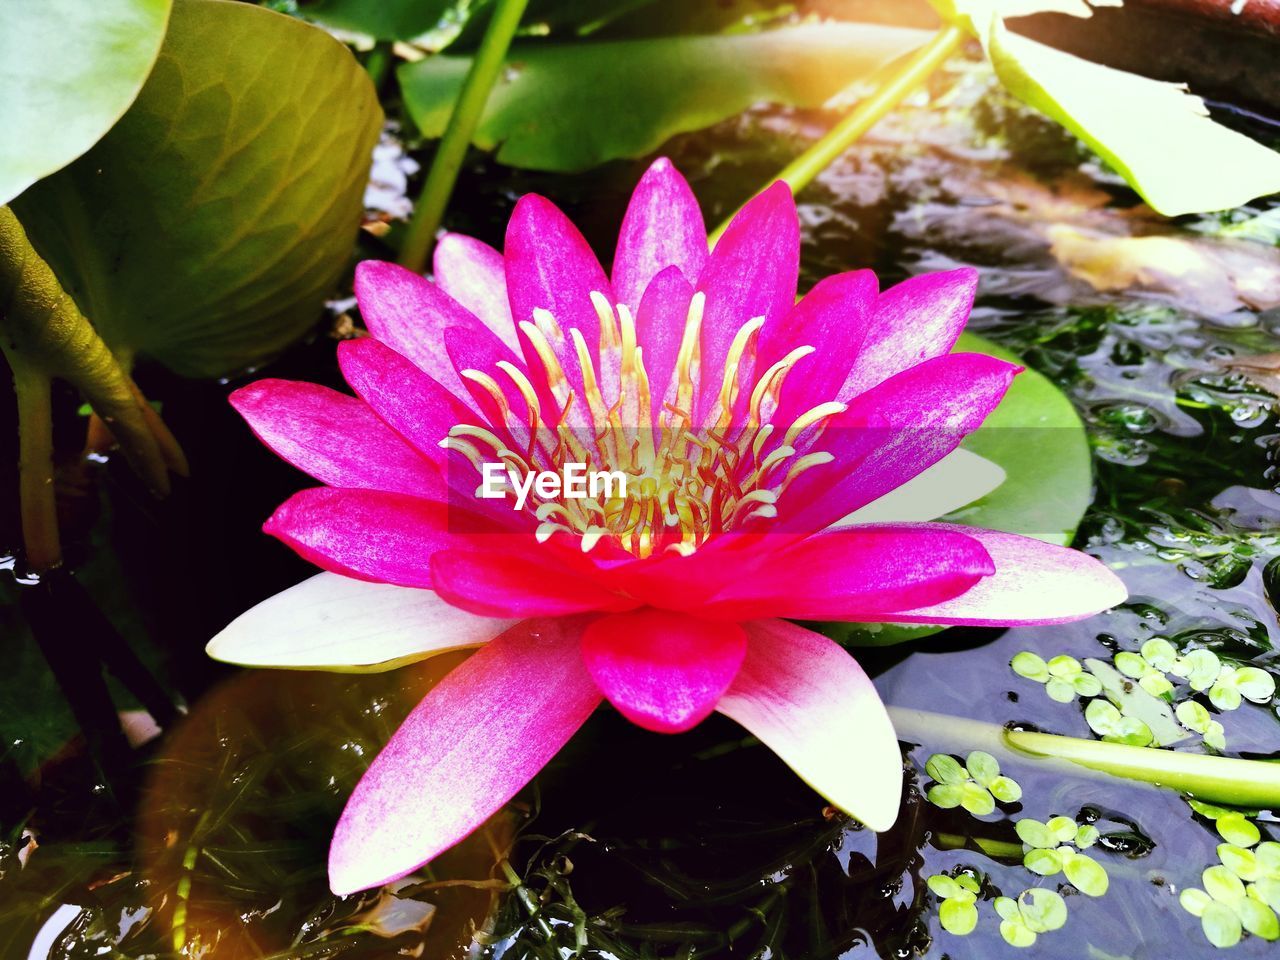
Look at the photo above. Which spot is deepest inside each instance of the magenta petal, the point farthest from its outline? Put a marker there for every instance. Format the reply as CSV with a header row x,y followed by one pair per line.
x,y
832,318
417,407
663,228
334,437
410,314
503,580
366,534
915,321
860,573
474,274
893,432
1034,582
550,267
807,700
463,752
664,671
752,272
660,323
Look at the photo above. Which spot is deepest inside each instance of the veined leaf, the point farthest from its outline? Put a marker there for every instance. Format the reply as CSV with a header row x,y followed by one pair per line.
x,y
205,229
568,107
69,70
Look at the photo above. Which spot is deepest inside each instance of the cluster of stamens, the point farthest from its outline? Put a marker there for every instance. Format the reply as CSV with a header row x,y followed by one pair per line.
x,y
685,482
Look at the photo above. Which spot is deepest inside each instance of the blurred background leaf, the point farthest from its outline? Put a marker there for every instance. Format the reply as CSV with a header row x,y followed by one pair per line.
x,y
569,107
55,106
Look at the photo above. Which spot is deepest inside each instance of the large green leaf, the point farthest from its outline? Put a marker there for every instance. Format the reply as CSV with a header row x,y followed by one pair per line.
x,y
570,106
1037,437
205,229
68,70
1158,136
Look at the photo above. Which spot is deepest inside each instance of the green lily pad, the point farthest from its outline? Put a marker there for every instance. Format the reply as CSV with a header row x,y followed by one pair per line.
x,y
69,71
1037,438
206,228
572,106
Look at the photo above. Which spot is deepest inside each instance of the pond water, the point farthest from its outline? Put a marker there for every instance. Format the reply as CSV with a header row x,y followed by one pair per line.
x,y
210,842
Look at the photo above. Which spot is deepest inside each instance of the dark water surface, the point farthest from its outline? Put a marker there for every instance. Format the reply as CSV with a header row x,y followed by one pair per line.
x,y
704,845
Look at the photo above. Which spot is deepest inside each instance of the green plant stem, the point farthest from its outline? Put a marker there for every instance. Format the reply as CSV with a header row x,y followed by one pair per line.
x,y
479,81
42,329
1245,783
998,849
35,468
801,171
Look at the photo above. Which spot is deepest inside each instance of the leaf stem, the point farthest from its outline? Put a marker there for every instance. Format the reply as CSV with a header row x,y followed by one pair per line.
x,y
802,170
1229,780
42,329
35,467
443,175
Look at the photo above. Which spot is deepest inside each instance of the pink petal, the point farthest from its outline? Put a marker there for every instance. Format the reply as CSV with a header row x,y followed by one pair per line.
x,y
334,437
511,580
410,314
663,227
663,671
471,744
807,700
415,405
366,534
423,412
474,274
472,350
660,323
832,318
752,272
893,432
1034,582
549,266
861,573
915,321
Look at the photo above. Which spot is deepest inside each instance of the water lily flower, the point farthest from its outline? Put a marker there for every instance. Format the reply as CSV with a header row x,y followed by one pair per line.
x,y
784,460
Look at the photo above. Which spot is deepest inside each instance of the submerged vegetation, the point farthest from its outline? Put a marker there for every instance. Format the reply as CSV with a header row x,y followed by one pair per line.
x,y
1100,788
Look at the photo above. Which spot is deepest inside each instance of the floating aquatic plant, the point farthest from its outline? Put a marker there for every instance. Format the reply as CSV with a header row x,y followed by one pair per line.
x,y
957,910
661,598
1063,677
976,786
1036,911
1050,850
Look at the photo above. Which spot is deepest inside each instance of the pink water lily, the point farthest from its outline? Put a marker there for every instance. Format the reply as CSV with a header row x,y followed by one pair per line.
x,y
783,460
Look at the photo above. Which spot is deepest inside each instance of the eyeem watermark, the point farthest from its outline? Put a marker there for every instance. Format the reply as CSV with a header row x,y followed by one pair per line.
x,y
574,482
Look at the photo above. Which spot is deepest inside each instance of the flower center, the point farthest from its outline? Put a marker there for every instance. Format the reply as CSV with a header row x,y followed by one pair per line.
x,y
686,480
